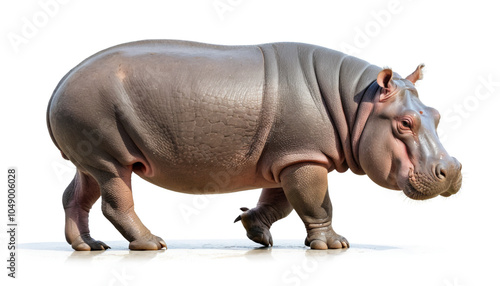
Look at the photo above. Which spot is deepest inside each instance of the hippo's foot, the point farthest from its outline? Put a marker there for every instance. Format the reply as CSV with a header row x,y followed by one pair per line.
x,y
86,243
325,238
78,198
256,226
148,242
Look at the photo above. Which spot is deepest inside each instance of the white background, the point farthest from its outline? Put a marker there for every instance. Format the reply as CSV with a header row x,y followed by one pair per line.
x,y
457,41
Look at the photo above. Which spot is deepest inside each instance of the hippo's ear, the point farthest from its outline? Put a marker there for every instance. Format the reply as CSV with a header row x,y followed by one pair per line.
x,y
384,80
417,74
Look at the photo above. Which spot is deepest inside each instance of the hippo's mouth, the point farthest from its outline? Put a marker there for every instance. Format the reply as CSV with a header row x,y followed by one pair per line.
x,y
423,186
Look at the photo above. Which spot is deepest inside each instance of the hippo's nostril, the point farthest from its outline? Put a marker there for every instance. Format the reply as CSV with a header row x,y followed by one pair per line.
x,y
440,172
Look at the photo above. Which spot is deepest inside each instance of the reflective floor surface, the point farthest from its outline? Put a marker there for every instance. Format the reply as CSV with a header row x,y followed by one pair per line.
x,y
241,262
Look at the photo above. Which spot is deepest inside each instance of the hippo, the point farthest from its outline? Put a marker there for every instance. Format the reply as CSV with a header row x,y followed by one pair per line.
x,y
278,116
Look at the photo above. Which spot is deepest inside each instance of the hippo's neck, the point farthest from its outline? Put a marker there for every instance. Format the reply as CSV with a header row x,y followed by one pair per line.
x,y
347,86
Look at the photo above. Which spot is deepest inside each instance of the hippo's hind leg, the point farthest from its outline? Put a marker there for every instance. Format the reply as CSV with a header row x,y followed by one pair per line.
x,y
78,198
272,206
118,207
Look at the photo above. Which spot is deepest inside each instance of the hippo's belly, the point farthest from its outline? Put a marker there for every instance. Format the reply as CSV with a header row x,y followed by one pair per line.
x,y
196,115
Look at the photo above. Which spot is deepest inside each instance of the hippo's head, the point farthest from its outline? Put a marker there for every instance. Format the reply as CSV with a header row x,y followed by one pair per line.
x,y
399,147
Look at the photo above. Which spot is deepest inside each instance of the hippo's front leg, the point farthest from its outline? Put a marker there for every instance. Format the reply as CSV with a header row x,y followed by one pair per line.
x,y
306,188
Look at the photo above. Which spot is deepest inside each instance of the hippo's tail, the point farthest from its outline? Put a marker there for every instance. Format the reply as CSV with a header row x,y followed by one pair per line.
x,y
48,120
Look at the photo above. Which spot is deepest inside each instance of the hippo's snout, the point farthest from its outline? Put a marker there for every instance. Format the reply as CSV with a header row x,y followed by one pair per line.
x,y
450,172
444,178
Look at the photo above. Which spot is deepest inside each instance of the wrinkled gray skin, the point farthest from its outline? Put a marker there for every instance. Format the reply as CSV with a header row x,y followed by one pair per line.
x,y
201,119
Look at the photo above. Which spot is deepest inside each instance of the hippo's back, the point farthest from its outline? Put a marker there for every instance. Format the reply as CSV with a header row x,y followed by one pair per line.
x,y
180,113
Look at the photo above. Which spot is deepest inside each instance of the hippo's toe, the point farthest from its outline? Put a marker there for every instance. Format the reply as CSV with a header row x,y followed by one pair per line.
x,y
85,242
150,242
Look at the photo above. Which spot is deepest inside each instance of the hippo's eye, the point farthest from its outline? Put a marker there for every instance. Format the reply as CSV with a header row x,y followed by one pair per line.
x,y
406,123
